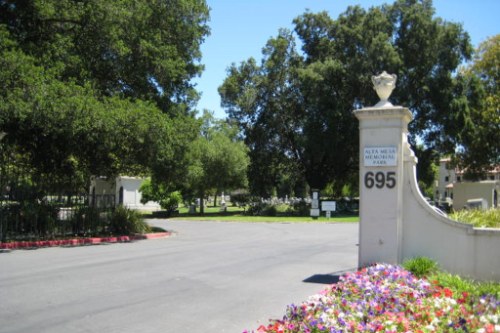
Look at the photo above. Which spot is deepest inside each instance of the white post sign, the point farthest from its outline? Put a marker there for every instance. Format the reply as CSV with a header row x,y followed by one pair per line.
x,y
328,206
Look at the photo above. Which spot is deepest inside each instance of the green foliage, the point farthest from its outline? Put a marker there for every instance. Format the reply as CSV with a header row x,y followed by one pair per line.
x,y
295,110
299,208
218,161
479,148
272,209
141,49
87,221
125,221
428,268
460,285
240,197
98,88
168,200
489,218
420,266
262,209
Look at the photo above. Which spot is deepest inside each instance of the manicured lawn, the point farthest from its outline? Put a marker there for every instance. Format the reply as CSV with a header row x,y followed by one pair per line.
x,y
236,214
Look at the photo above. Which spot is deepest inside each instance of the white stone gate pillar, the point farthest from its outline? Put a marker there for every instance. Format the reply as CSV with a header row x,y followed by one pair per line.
x,y
383,140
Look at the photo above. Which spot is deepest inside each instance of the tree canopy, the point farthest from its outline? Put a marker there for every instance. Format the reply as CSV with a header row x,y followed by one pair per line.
x,y
295,108
479,142
142,49
99,87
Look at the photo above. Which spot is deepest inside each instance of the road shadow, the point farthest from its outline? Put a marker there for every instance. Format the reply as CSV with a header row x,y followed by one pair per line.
x,y
330,278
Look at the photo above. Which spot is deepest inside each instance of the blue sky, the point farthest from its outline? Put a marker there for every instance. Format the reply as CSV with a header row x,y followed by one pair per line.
x,y
241,28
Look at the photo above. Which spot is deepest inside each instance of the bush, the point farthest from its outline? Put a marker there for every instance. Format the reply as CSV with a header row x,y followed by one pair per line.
x,y
425,267
240,197
125,221
87,221
262,209
168,200
299,208
420,266
479,218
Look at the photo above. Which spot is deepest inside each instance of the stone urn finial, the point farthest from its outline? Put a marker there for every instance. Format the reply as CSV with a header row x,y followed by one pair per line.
x,y
384,84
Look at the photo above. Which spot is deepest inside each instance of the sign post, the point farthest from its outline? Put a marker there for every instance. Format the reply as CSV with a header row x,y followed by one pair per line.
x,y
328,207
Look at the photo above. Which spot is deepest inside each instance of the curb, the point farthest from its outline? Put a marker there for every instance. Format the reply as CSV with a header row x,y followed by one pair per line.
x,y
80,241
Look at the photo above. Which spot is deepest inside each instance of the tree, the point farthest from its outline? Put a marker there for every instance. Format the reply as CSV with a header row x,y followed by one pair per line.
x,y
298,106
218,160
168,200
141,49
478,141
99,87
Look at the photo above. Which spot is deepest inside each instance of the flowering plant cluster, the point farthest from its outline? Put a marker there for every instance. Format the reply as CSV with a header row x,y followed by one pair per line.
x,y
386,298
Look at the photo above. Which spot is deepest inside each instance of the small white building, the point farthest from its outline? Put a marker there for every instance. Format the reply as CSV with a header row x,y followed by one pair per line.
x,y
444,185
486,190
452,188
122,190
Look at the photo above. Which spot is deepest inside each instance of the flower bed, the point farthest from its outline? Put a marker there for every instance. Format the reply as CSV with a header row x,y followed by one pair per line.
x,y
386,298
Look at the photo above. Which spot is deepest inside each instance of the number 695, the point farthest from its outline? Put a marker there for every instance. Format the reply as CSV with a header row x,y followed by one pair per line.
x,y
380,179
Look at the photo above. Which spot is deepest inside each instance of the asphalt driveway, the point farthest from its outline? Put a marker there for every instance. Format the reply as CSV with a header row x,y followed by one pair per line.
x,y
209,277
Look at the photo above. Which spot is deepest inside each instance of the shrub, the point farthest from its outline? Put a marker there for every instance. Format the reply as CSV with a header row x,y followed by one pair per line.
x,y
461,285
420,266
240,197
262,209
87,221
425,267
479,218
125,221
299,208
167,199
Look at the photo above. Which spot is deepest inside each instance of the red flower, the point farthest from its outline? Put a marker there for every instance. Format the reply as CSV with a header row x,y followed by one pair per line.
x,y
448,292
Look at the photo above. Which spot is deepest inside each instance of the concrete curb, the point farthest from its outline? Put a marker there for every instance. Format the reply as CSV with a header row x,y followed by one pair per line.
x,y
81,241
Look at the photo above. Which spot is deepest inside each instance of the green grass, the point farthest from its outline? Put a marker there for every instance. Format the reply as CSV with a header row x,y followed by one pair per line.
x,y
425,267
421,266
479,218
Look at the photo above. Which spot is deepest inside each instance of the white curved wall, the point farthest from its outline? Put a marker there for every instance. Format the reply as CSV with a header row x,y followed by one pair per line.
x,y
458,248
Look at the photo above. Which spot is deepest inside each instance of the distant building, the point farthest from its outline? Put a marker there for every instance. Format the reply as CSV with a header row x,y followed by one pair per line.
x,y
122,190
452,189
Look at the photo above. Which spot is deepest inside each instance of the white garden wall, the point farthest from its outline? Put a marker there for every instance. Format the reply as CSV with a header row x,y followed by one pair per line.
x,y
458,248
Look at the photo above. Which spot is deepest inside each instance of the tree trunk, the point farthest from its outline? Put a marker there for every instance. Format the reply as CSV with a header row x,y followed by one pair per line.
x,y
202,205
215,199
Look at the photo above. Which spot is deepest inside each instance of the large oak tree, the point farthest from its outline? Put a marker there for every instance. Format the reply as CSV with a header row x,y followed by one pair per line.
x,y
295,107
99,87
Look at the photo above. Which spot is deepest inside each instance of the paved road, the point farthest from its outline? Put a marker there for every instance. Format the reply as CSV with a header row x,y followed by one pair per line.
x,y
210,277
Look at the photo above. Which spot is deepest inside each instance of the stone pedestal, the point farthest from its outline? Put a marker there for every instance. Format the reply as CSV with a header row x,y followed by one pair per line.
x,y
383,142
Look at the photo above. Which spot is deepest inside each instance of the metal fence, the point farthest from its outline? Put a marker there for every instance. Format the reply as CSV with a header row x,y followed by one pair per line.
x,y
37,204
52,218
